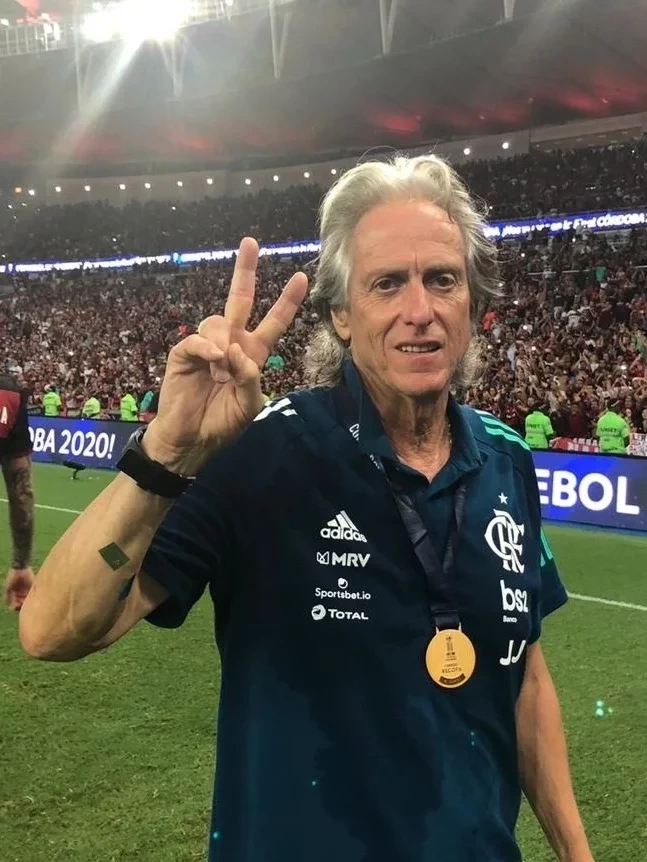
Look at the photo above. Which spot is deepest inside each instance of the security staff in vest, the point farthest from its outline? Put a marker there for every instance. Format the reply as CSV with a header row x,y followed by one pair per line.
x,y
539,429
373,550
613,431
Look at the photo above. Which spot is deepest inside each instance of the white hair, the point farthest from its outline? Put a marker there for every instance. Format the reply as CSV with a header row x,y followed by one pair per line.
x,y
356,193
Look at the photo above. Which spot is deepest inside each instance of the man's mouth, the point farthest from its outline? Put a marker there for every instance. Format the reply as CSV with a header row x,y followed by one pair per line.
x,y
423,347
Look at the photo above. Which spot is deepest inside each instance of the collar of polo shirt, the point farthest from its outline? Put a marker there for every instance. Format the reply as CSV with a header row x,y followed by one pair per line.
x,y
372,439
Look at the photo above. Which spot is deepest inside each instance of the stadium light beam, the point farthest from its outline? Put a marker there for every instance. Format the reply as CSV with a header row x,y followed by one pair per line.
x,y
137,21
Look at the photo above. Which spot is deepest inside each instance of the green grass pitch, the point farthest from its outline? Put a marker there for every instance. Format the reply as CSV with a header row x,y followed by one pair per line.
x,y
112,758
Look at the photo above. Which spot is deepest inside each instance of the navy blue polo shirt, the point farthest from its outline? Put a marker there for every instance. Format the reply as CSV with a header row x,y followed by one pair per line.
x,y
333,741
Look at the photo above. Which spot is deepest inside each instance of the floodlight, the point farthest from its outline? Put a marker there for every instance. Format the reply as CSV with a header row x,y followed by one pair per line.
x,y
248,182
275,178
31,193
87,188
18,190
147,185
333,171
122,187
209,181
180,183
306,175
58,189
505,145
467,151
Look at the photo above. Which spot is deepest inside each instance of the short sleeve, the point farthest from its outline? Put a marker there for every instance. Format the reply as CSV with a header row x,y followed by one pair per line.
x,y
552,593
19,442
188,550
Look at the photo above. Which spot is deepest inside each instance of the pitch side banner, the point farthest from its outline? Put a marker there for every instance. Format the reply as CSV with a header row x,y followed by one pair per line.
x,y
93,443
602,490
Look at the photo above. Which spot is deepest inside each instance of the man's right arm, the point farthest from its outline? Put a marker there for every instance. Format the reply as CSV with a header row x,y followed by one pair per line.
x,y
90,590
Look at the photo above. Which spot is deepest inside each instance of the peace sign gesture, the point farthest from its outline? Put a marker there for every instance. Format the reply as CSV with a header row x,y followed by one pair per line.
x,y
212,386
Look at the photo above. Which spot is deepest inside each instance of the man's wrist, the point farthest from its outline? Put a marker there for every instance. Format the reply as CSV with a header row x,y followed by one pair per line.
x,y
185,463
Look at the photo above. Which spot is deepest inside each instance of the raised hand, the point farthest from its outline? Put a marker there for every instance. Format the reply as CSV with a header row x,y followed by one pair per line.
x,y
212,386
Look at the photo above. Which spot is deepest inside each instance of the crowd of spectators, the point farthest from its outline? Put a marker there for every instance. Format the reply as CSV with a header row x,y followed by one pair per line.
x,y
529,185
570,334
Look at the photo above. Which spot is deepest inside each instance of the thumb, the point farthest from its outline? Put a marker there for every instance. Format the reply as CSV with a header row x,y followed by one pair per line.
x,y
247,380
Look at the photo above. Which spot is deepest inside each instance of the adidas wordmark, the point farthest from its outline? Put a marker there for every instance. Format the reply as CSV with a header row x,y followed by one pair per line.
x,y
342,528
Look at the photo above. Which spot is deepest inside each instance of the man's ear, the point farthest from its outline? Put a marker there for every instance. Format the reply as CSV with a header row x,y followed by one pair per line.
x,y
340,320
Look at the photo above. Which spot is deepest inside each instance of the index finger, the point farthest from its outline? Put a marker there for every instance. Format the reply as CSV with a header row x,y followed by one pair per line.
x,y
241,293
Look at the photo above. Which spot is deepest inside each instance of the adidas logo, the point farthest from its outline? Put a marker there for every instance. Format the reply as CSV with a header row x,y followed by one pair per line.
x,y
342,528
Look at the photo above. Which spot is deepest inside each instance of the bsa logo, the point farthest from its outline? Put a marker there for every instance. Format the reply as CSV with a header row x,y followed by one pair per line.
x,y
504,536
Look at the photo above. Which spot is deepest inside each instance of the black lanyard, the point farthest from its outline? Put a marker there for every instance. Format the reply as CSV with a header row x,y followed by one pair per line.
x,y
439,576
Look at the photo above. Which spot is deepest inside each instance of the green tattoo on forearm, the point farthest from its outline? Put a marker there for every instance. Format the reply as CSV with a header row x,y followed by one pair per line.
x,y
114,556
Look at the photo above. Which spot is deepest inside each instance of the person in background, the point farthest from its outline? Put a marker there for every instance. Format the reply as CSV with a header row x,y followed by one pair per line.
x,y
612,431
52,404
91,407
275,362
539,429
128,411
15,450
147,400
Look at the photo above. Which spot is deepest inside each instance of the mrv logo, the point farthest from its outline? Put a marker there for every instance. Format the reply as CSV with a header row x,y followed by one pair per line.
x,y
358,561
594,491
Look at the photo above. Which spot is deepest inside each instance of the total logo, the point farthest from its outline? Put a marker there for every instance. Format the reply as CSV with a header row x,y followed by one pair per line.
x,y
513,600
319,612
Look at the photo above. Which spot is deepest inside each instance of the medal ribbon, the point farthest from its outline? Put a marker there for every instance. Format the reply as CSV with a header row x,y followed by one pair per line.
x,y
439,576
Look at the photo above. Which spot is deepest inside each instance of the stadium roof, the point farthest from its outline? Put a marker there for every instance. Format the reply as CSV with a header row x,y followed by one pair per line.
x,y
338,93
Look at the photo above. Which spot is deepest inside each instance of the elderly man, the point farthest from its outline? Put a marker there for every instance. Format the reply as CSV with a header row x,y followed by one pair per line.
x,y
372,548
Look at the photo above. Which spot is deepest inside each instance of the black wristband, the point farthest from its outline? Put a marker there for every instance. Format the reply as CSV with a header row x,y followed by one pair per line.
x,y
150,475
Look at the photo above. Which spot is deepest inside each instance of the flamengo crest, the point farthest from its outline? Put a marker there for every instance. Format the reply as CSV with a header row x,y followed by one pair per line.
x,y
504,537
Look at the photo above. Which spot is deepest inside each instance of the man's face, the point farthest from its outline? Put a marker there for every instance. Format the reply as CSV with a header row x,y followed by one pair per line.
x,y
408,318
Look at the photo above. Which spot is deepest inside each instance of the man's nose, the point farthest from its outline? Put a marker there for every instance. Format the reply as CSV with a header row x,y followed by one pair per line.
x,y
417,304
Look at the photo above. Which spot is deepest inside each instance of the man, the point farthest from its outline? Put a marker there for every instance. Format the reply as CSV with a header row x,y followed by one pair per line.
x,y
15,449
128,411
373,550
52,404
91,407
613,431
538,427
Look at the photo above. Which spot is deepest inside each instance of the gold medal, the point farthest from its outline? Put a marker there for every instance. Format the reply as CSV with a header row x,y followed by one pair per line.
x,y
450,658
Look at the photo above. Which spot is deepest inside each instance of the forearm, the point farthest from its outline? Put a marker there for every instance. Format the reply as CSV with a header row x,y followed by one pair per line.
x,y
20,495
543,763
80,589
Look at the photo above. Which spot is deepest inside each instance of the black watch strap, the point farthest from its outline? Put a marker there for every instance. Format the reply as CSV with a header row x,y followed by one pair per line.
x,y
150,475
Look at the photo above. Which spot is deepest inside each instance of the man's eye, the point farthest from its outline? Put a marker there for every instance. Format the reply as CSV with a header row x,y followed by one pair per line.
x,y
385,284
443,281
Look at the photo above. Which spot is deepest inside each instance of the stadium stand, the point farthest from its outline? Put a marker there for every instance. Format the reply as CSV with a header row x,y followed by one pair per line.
x,y
571,332
537,183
